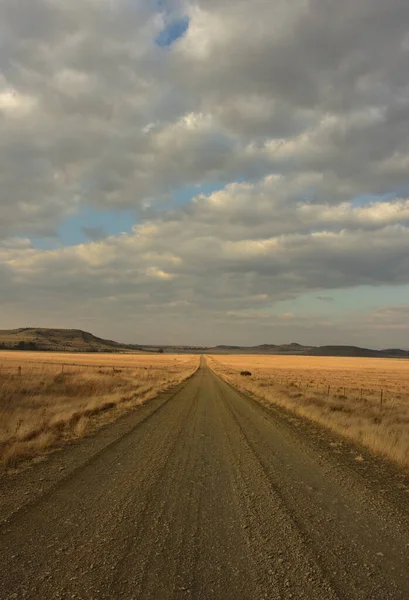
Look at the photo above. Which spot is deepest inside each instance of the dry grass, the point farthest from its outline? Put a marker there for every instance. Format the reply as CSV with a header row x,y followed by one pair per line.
x,y
48,398
343,394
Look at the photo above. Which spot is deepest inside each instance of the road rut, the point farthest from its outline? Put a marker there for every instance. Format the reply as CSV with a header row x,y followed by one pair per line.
x,y
208,496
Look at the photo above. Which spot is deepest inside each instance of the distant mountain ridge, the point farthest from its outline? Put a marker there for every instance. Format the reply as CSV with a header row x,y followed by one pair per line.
x,y
298,349
77,340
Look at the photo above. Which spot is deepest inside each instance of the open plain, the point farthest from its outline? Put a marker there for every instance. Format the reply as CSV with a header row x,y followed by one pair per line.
x,y
48,398
201,493
364,399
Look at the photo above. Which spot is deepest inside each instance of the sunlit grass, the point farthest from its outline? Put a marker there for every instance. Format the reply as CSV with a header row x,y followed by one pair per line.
x,y
364,399
48,398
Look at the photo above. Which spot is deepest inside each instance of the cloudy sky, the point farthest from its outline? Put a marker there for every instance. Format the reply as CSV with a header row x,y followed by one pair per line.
x,y
206,171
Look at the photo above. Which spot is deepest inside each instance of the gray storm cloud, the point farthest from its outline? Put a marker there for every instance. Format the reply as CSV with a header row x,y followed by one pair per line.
x,y
295,110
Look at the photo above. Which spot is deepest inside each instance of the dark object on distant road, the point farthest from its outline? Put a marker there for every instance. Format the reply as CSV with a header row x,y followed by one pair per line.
x,y
245,373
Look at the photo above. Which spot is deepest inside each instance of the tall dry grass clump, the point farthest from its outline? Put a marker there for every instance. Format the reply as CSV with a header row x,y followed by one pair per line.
x,y
364,399
44,401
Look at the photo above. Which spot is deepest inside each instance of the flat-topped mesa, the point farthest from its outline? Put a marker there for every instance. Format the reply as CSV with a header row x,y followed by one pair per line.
x,y
58,340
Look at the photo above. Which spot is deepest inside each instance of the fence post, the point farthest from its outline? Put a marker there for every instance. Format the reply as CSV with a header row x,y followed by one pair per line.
x,y
329,387
381,397
19,370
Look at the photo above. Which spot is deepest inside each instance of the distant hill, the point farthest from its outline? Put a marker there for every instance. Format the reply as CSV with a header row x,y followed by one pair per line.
x,y
346,351
76,340
292,349
58,340
295,349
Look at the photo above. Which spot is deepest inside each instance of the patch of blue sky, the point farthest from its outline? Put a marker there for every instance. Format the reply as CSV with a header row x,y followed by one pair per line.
x,y
87,225
90,224
185,194
174,29
78,228
365,199
339,302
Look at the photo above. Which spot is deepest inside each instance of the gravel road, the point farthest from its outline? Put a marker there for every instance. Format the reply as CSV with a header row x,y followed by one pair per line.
x,y
203,494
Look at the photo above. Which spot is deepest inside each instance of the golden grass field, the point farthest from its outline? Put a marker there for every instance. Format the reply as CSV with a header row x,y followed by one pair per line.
x,y
365,399
46,398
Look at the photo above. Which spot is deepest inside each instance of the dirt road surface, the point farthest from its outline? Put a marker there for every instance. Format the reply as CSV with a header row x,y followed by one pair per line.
x,y
204,494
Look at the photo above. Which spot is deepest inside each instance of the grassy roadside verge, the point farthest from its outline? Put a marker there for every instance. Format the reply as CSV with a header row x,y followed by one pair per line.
x,y
383,427
44,403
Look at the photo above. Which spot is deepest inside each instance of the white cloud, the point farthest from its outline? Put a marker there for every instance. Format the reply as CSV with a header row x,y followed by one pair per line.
x,y
156,273
287,251
121,122
15,105
304,103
